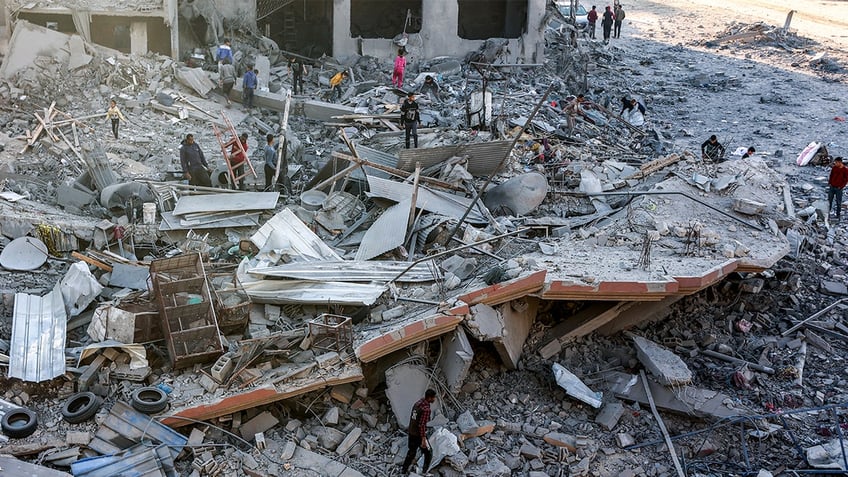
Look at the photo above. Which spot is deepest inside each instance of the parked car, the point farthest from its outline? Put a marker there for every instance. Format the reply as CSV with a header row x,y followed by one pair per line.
x,y
580,14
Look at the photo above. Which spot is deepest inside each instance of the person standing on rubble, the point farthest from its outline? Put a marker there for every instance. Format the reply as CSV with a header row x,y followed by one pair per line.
x,y
193,162
410,117
114,114
226,77
712,150
248,83
335,85
296,70
607,22
225,52
417,430
238,156
618,13
400,66
592,17
836,182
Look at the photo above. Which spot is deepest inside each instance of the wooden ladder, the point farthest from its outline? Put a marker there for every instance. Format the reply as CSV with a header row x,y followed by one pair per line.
x,y
226,146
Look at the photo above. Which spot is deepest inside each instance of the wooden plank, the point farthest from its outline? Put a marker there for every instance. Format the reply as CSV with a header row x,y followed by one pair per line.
x,y
92,261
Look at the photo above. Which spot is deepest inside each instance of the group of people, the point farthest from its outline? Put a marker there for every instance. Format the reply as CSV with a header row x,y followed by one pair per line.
x,y
610,21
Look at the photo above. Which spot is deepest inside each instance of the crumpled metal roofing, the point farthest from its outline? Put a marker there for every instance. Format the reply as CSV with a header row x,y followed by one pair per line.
x,y
39,326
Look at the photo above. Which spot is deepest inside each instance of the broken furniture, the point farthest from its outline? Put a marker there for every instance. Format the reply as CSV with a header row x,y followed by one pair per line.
x,y
186,310
331,332
232,304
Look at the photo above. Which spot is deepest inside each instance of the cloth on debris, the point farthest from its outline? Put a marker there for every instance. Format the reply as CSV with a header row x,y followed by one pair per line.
x,y
79,288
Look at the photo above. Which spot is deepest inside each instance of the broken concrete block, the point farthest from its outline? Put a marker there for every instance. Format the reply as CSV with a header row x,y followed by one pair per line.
x,y
456,358
79,438
748,207
393,313
405,384
260,423
560,439
609,415
530,451
328,437
331,416
575,388
833,288
222,368
343,393
668,368
460,266
208,383
349,441
624,439
327,360
752,285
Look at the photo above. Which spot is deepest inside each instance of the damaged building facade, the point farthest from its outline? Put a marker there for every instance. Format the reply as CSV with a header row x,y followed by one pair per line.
x,y
309,27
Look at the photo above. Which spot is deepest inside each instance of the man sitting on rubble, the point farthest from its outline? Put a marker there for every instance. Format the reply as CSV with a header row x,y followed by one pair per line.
x,y
430,87
750,152
193,162
712,150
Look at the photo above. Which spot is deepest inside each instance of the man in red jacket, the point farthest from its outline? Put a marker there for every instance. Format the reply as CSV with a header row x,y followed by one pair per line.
x,y
837,181
237,160
592,17
417,430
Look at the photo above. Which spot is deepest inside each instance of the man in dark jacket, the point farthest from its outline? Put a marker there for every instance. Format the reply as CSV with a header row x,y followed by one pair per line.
x,y
248,84
417,431
193,162
606,23
836,182
712,150
410,117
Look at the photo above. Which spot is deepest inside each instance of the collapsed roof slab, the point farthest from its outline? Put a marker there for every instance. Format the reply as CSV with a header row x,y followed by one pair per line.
x,y
396,336
260,395
505,291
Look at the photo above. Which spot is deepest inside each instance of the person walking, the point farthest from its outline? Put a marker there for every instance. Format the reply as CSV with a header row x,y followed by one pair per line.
x,y
114,114
296,70
400,66
417,431
248,83
238,156
226,77
335,85
271,152
712,150
607,22
592,17
618,13
410,117
836,182
193,162
225,52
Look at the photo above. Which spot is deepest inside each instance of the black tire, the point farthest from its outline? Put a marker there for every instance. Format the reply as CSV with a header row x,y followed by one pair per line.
x,y
149,400
19,423
81,407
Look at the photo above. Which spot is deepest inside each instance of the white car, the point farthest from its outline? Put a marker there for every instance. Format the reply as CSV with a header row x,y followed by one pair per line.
x,y
581,16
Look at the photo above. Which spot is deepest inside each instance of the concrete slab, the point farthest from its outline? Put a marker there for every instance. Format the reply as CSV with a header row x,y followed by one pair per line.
x,y
263,64
687,400
666,366
323,111
518,318
609,415
29,42
262,99
129,276
456,359
308,460
348,442
260,423
68,196
405,385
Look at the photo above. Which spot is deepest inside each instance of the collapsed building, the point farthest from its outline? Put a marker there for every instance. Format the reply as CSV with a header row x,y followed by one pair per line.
x,y
297,327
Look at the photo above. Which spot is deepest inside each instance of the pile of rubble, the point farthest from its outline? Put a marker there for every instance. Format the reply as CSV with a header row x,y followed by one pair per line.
x,y
150,325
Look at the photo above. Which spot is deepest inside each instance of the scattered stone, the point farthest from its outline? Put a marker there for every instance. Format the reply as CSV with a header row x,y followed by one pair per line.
x,y
666,366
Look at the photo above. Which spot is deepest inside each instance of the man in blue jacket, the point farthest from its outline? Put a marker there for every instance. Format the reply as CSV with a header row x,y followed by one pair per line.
x,y
248,83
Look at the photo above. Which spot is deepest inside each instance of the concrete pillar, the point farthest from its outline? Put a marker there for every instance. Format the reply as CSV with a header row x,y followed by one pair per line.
x,y
138,38
342,43
439,26
172,20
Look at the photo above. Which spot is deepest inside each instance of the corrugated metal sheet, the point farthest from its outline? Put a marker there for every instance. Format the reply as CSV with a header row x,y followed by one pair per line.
x,y
231,202
286,233
335,165
170,222
138,461
304,292
483,158
125,427
429,200
350,271
39,324
386,233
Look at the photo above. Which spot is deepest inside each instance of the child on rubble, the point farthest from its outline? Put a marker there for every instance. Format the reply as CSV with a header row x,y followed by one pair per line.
x,y
400,65
114,114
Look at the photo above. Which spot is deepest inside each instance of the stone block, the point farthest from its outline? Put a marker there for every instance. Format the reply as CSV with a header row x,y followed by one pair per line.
x,y
668,368
261,423
560,439
752,285
349,441
343,393
530,451
609,415
78,438
331,416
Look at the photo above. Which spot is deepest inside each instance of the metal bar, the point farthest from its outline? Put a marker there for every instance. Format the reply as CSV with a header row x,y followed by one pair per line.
x,y
661,425
813,316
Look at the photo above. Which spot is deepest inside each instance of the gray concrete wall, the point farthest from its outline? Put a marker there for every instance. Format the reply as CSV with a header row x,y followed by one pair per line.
x,y
438,35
